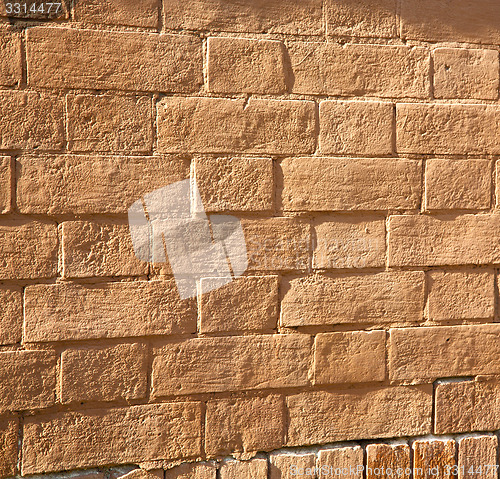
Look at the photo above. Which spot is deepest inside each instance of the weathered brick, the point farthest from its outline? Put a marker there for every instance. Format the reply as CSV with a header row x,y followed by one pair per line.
x,y
433,459
192,471
98,59
239,65
110,123
425,354
345,462
249,303
373,413
244,426
457,184
28,249
349,242
11,314
370,298
355,127
360,184
104,373
70,440
431,241
461,295
243,184
28,380
447,129
374,70
221,125
89,185
11,71
99,248
273,16
291,466
31,121
117,12
9,432
243,362
254,469
111,310
463,73
350,357
477,455
5,184
384,461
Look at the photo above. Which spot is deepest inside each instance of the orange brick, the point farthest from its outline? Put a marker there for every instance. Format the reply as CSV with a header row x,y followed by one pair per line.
x,y
5,184
345,462
11,71
11,314
291,466
254,469
384,461
9,432
117,12
192,471
477,455
434,459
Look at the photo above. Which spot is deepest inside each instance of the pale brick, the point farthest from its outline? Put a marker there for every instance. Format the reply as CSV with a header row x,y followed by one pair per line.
x,y
461,295
110,123
99,248
192,471
341,462
447,129
244,426
273,16
373,70
5,184
243,363
254,469
104,373
113,60
462,73
360,184
220,125
384,461
9,432
355,127
238,65
31,121
291,466
457,184
371,298
111,310
249,303
350,357
425,354
434,459
477,455
70,440
28,249
11,71
91,185
11,314
242,184
349,242
429,241
118,12
372,413
28,380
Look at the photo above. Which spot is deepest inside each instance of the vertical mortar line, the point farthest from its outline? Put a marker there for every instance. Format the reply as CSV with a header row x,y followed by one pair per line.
x,y
493,185
433,408
423,182
495,295
399,27
324,18
431,74
13,184
204,59
20,439
24,57
161,13
394,131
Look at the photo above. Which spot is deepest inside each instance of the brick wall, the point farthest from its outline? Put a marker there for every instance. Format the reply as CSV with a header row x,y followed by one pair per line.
x,y
357,143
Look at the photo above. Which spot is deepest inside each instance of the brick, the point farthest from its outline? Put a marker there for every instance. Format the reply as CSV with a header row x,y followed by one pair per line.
x,y
254,469
220,125
355,127
104,373
249,303
457,184
104,60
70,440
64,312
244,426
371,298
99,248
349,242
110,123
274,16
384,461
434,241
463,73
28,249
372,70
243,184
31,121
11,314
362,18
447,129
345,462
5,184
142,474
9,432
192,471
116,12
461,295
28,380
425,354
433,459
243,363
360,184
350,357
238,65
91,184
11,71
372,413
291,466
476,455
